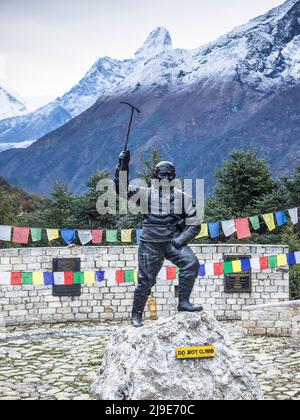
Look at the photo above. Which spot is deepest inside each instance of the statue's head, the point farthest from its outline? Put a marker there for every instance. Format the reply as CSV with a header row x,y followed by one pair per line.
x,y
165,171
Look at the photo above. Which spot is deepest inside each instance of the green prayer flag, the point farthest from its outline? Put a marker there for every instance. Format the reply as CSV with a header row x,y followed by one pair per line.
x,y
129,276
178,271
255,222
36,234
78,278
27,278
273,261
228,267
112,236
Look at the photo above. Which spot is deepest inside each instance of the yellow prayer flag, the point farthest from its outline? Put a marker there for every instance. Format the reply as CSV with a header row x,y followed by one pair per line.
x,y
136,272
89,278
126,235
237,266
204,231
52,234
282,260
270,221
38,279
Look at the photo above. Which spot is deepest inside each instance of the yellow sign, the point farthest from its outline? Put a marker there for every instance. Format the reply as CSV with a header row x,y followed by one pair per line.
x,y
202,352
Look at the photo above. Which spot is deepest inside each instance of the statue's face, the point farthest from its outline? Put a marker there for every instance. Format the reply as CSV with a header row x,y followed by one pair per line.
x,y
165,171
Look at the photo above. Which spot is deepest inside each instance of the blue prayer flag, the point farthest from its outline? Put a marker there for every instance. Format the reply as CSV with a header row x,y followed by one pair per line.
x,y
68,235
202,270
100,276
291,258
48,279
246,265
138,234
214,229
281,218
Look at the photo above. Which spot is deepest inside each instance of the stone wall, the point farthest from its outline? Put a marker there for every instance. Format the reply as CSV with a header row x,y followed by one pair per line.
x,y
109,301
277,319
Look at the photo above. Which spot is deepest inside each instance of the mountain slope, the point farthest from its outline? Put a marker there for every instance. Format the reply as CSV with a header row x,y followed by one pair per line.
x,y
9,105
239,91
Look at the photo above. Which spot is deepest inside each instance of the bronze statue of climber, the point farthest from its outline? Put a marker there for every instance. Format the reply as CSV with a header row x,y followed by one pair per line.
x,y
165,235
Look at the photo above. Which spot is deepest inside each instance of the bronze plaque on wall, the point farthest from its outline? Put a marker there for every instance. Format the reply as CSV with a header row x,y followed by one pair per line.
x,y
65,265
238,282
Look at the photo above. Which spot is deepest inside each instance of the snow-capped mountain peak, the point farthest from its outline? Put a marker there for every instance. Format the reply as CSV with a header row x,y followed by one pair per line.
x,y
158,41
10,106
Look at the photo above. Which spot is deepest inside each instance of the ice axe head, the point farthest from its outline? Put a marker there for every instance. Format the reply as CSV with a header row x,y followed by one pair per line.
x,y
133,110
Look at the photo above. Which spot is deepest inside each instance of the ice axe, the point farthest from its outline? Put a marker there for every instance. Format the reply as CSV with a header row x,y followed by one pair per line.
x,y
133,110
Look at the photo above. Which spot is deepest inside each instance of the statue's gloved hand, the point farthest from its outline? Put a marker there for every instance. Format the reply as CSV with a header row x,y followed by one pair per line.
x,y
125,157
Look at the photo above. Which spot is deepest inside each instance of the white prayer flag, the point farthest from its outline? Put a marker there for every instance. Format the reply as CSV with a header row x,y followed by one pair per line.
x,y
255,264
59,279
5,279
5,233
294,215
85,236
228,227
110,277
297,255
162,275
209,270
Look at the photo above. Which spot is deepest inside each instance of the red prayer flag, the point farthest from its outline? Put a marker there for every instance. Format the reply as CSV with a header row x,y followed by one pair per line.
x,y
16,279
171,273
21,235
219,269
264,263
120,276
97,236
243,228
69,279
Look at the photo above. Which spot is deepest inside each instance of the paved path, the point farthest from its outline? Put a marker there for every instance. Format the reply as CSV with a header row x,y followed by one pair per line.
x,y
60,362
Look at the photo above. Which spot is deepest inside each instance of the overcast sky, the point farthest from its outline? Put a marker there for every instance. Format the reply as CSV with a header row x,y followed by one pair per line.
x,y
46,46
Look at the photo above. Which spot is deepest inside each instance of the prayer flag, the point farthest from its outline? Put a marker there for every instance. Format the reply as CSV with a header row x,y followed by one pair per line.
x,y
52,234
282,260
162,275
126,235
202,270
85,236
218,269
20,235
281,218
89,278
69,279
38,278
254,220
270,221
59,279
36,234
138,234
255,264
5,279
246,266
110,276
228,227
49,279
129,276
97,235
68,235
78,278
16,279
273,261
214,230
27,278
264,263
171,273
243,228
204,231
297,256
228,267
294,215
209,270
100,276
136,276
237,266
112,236
5,233
291,258
120,276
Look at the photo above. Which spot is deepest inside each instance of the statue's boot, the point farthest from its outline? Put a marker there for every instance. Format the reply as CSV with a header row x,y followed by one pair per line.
x,y
185,291
138,308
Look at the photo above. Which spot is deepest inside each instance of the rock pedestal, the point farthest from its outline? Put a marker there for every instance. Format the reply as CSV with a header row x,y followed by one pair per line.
x,y
140,364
